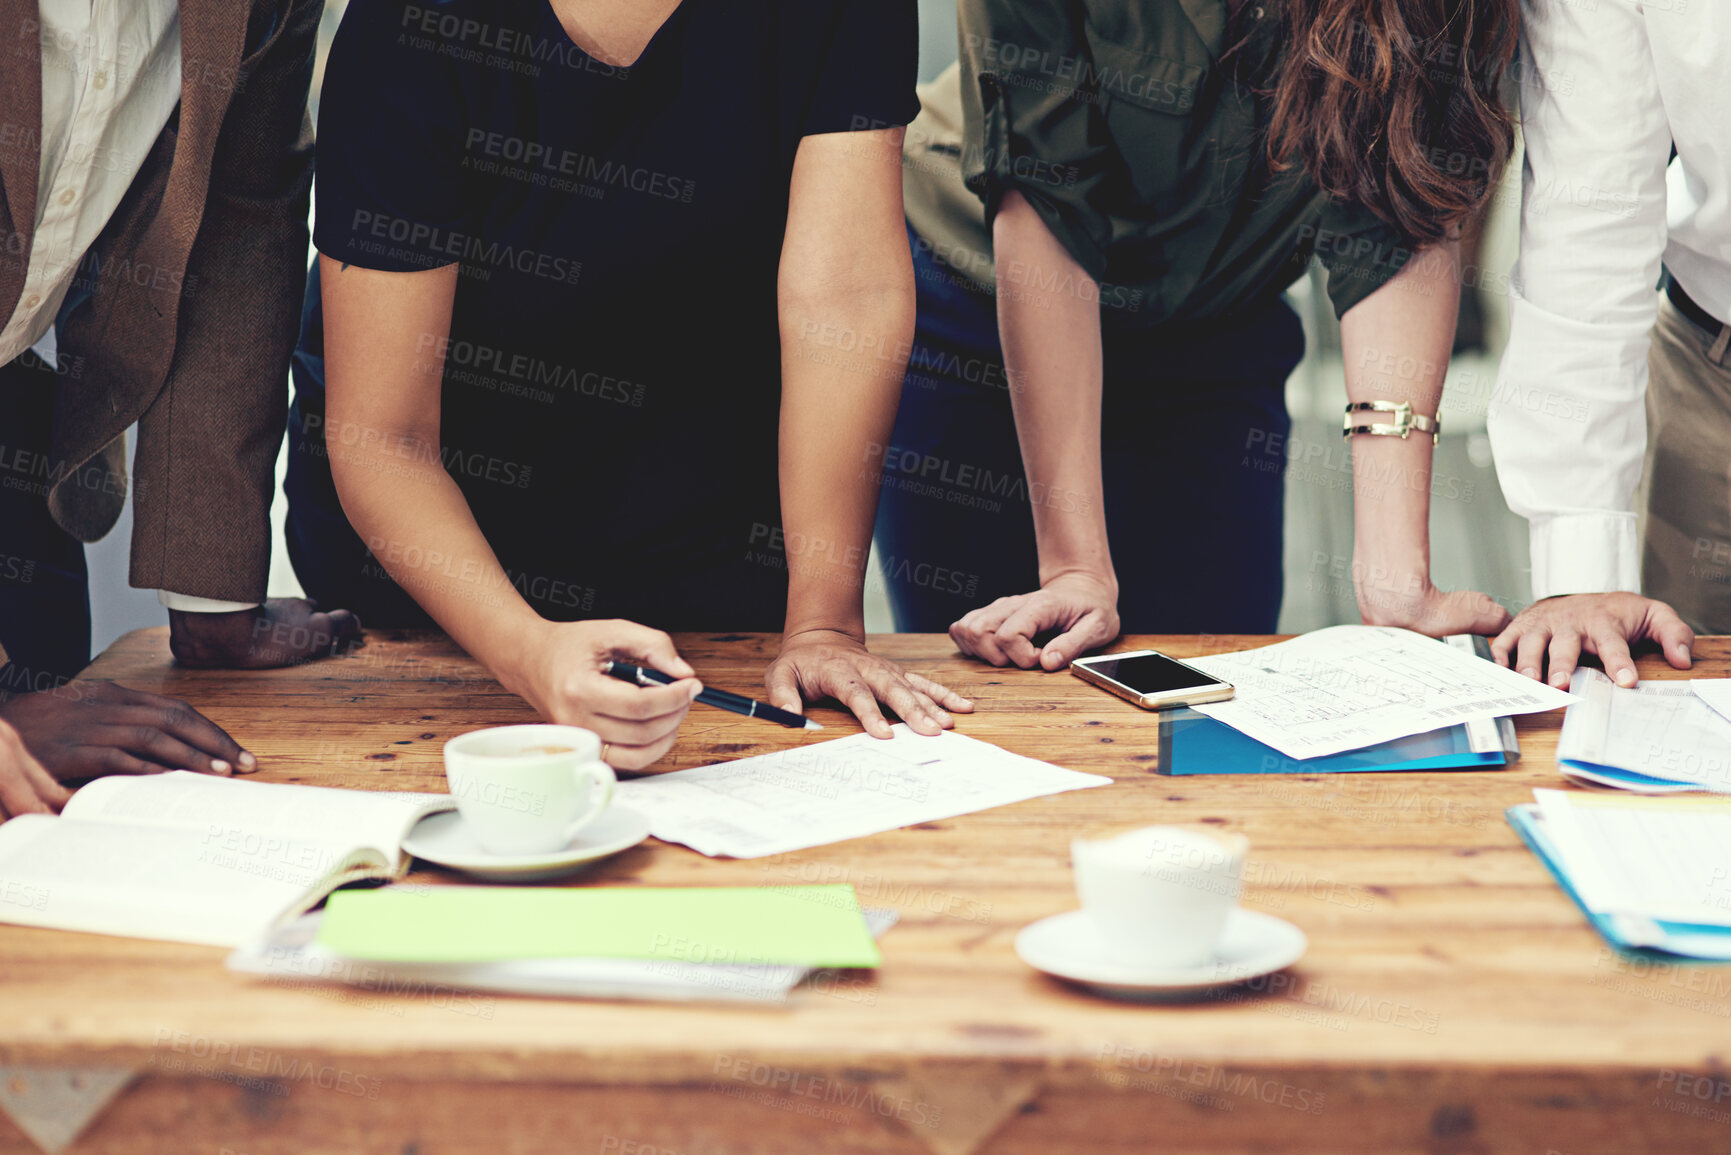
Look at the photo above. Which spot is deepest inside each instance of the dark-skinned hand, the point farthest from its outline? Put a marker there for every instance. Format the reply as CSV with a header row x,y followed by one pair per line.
x,y
90,729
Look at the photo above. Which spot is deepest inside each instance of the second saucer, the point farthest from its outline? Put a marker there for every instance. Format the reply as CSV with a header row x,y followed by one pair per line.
x,y
1067,946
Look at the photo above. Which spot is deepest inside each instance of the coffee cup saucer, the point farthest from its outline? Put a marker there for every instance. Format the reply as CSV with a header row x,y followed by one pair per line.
x,y
1068,947
444,839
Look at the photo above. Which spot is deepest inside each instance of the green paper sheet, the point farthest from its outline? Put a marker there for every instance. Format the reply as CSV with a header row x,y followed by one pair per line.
x,y
774,925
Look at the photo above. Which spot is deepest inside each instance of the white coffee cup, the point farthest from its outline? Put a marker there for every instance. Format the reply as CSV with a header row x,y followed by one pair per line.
x,y
528,789
1159,897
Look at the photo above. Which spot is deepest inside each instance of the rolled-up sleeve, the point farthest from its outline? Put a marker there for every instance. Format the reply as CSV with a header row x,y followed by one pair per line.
x,y
871,60
1361,253
1031,121
1567,424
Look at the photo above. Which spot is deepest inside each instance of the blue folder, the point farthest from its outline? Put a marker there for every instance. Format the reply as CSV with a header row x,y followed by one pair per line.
x,y
1599,774
1192,743
1638,938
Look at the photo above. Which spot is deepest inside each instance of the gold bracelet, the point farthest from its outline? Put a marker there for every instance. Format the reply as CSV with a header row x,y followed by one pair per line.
x,y
1405,421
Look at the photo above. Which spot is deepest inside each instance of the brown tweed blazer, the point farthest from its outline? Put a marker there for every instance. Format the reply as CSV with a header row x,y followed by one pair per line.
x,y
196,285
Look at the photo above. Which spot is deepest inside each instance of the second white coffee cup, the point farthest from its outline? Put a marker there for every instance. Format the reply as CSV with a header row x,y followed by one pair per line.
x,y
1159,897
528,789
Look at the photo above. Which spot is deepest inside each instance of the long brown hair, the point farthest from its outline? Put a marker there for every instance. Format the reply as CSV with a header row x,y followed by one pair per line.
x,y
1394,104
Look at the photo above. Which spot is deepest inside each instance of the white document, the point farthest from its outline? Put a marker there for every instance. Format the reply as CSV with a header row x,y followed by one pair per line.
x,y
1656,858
832,791
1347,687
1716,692
1659,729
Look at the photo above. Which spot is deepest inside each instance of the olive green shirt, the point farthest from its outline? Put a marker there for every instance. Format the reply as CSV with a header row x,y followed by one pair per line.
x,y
1143,152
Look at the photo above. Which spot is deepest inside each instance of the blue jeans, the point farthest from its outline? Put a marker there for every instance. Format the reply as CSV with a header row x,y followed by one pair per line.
x,y
1193,493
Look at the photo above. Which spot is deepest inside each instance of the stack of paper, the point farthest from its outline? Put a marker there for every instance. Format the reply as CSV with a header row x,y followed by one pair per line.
x,y
750,944
1652,873
832,791
1192,743
1657,738
1348,687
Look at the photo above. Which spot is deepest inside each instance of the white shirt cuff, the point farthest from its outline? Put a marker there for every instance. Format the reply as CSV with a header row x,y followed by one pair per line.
x,y
1585,553
187,604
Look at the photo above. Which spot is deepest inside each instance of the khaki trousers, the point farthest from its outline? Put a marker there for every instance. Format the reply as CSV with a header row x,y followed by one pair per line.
x,y
1685,499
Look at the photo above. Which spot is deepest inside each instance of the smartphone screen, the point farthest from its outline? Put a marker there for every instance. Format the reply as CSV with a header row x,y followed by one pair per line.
x,y
1151,673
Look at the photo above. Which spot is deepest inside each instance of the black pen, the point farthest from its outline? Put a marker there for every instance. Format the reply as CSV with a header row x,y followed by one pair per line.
x,y
738,703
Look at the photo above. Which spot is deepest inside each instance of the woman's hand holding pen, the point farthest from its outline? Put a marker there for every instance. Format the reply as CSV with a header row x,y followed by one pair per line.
x,y
561,676
830,664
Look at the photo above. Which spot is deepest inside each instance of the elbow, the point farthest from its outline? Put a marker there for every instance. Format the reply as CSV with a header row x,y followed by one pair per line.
x,y
876,309
362,457
1015,217
1022,237
349,473
1015,226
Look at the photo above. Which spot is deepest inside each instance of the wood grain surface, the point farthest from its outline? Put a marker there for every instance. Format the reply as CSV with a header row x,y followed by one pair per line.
x,y
1453,999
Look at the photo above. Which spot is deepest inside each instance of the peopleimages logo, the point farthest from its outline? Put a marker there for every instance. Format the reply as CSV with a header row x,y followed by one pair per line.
x,y
1169,85
429,245
411,566
955,476
256,1067
478,42
786,1088
488,362
1172,1070
401,456
542,158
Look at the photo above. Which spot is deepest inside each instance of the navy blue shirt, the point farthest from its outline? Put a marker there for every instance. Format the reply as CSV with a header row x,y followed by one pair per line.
x,y
612,375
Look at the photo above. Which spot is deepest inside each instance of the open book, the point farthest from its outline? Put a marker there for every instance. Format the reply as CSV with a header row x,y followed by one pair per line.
x,y
194,858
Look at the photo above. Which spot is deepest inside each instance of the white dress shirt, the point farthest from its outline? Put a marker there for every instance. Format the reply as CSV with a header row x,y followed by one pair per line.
x,y
110,81
1606,87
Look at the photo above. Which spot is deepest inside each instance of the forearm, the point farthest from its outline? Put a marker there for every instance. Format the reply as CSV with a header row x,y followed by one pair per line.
x,y
419,528
383,436
1053,360
1396,344
837,412
845,296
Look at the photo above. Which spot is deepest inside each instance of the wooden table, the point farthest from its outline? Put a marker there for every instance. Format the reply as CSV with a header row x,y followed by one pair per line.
x,y
1453,999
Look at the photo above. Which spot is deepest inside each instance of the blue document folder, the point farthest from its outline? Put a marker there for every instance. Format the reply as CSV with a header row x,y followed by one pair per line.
x,y
1192,743
1613,776
1639,937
